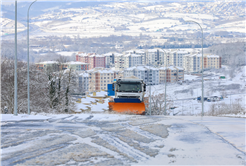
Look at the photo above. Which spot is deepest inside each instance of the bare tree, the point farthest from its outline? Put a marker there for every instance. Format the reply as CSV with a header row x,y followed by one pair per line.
x,y
158,104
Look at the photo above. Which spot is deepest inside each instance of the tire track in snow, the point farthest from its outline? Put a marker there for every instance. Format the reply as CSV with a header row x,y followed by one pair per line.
x,y
123,146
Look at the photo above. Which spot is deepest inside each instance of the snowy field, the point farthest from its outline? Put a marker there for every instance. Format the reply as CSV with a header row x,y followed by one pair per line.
x,y
184,97
112,139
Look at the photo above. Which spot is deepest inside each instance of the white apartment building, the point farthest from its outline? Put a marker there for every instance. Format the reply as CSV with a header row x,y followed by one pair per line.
x,y
83,82
175,57
193,63
135,60
150,75
178,58
161,57
143,55
151,56
109,59
119,61
125,61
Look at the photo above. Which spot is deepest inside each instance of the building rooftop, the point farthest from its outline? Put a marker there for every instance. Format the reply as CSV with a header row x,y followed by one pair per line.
x,y
48,62
141,68
139,51
76,63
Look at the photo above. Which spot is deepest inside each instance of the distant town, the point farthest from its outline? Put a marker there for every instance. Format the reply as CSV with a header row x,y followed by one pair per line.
x,y
154,66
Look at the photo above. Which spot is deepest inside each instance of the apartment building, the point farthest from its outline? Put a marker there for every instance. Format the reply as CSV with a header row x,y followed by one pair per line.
x,y
193,63
143,55
212,61
179,74
119,61
100,61
109,60
178,58
78,66
83,83
135,60
93,59
175,57
47,64
99,78
171,74
151,56
86,58
150,75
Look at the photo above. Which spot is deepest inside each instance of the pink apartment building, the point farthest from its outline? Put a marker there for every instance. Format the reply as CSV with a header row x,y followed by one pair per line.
x,y
92,59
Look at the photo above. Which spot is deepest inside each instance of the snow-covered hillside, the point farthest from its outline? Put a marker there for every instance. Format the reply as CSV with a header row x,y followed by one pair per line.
x,y
133,18
8,26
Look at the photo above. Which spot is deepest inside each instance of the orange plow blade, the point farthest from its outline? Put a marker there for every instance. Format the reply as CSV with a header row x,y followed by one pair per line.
x,y
128,108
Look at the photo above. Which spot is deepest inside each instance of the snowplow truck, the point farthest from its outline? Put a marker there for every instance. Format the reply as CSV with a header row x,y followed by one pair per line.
x,y
129,96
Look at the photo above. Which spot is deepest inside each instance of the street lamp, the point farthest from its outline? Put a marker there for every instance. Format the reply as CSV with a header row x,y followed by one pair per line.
x,y
149,92
166,87
15,93
202,66
28,92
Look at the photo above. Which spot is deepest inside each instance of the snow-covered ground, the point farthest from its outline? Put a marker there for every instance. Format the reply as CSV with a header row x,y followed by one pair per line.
x,y
184,96
113,139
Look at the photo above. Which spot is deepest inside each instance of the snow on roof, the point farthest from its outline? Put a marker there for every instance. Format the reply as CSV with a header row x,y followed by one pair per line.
x,y
130,51
135,55
76,63
180,68
162,68
106,71
139,51
47,62
82,54
213,56
141,68
84,74
88,100
101,94
182,52
108,54
99,55
171,68
152,50
127,55
118,54
100,70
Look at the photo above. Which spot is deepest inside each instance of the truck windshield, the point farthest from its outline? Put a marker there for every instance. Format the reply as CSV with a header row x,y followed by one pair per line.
x,y
129,87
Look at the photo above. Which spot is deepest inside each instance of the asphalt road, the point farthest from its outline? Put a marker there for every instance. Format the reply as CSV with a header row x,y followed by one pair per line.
x,y
133,140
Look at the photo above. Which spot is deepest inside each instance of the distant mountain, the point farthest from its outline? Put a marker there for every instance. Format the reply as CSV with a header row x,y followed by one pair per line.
x,y
40,8
44,6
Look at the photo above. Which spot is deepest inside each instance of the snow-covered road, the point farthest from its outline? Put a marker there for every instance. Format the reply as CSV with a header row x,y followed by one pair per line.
x,y
111,139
